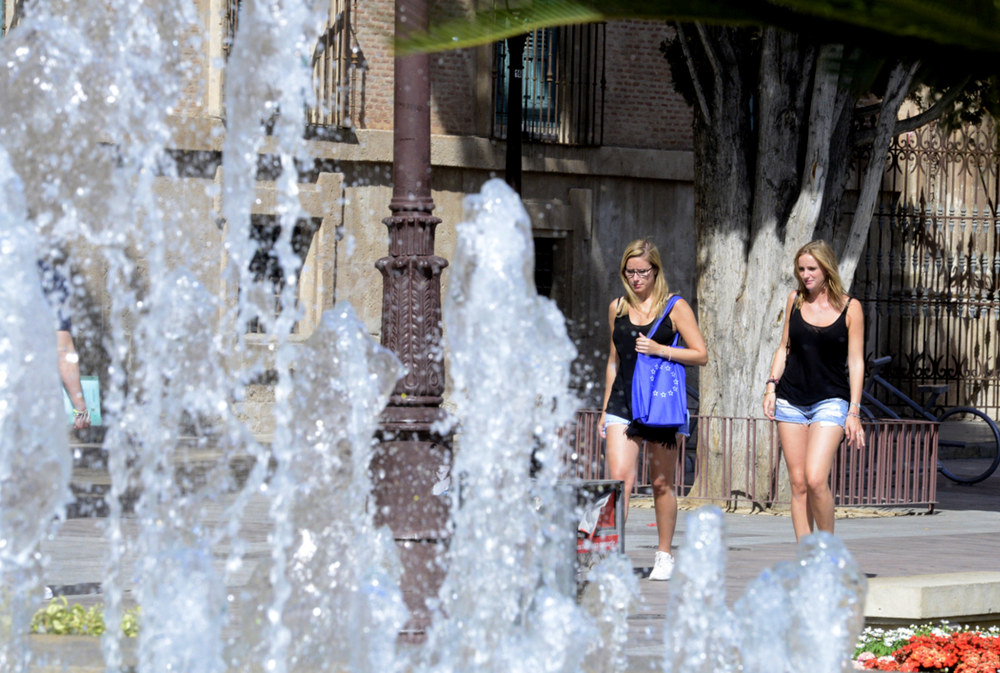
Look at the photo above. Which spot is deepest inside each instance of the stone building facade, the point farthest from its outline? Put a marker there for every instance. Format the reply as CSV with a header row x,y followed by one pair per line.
x,y
630,177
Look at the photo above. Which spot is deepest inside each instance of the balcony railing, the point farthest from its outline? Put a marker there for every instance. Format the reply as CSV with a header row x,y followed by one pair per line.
x,y
337,64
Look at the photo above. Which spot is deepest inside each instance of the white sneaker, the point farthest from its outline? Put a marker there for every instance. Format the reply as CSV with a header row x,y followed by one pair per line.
x,y
663,566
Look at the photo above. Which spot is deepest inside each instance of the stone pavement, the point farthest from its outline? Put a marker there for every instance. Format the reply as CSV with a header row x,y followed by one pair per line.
x,y
961,535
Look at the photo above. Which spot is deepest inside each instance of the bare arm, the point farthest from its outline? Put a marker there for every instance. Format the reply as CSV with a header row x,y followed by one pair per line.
x,y
694,353
69,372
856,371
778,362
611,369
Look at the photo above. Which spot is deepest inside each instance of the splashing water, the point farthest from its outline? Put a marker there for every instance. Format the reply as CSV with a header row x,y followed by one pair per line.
x,y
34,451
507,602
796,616
318,589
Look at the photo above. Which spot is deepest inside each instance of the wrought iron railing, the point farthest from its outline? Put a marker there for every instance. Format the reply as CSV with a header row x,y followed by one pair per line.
x,y
929,277
896,467
563,85
337,61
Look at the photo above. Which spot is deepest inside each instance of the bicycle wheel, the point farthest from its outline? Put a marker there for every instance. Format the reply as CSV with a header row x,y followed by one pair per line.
x,y
968,445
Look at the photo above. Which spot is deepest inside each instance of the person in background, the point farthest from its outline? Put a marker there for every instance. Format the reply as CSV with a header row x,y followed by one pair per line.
x,y
814,388
631,317
56,291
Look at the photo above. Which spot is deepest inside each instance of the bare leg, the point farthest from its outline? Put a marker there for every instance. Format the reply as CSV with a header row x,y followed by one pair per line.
x,y
623,457
824,440
794,441
663,468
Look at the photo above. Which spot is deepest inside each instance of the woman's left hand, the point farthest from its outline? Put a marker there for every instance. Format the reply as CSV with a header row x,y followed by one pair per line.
x,y
855,433
647,346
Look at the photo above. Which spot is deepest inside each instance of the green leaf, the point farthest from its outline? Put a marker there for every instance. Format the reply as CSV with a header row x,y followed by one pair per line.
x,y
964,25
493,25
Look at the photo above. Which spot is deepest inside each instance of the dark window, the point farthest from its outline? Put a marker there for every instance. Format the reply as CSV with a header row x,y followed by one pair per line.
x,y
563,85
265,266
545,250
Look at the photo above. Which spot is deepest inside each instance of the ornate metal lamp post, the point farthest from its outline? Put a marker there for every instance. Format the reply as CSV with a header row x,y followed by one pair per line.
x,y
411,457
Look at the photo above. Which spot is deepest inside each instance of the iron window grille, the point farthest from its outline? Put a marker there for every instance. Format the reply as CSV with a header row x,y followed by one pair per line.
x,y
563,86
338,63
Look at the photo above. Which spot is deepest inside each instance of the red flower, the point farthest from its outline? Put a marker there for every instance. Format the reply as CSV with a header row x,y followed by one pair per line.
x,y
965,652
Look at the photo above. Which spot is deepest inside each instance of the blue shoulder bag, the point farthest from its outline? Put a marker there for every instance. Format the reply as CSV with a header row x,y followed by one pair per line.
x,y
659,387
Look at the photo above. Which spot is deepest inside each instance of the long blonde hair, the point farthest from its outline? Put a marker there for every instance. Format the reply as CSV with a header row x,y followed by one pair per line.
x,y
823,254
643,247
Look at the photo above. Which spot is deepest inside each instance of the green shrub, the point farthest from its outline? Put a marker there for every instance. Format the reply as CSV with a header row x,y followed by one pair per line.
x,y
62,619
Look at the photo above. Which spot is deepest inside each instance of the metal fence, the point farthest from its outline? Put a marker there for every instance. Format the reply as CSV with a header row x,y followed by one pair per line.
x,y
896,467
929,276
337,63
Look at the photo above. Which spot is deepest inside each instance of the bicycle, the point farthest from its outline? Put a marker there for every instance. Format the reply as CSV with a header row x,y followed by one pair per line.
x,y
968,439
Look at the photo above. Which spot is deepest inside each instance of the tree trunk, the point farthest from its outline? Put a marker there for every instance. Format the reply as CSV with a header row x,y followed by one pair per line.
x,y
771,147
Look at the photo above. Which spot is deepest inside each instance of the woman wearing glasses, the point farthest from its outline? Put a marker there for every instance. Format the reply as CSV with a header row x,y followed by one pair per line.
x,y
630,318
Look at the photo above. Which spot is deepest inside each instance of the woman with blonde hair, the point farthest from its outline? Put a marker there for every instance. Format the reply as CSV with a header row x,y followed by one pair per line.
x,y
630,318
814,388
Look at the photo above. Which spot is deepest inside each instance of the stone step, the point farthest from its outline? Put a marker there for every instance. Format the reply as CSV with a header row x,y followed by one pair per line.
x,y
76,654
963,597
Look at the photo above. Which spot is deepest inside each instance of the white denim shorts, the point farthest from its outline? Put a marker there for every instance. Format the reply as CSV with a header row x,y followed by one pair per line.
x,y
611,419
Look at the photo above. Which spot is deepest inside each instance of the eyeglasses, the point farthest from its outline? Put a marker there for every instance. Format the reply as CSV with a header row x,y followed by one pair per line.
x,y
642,273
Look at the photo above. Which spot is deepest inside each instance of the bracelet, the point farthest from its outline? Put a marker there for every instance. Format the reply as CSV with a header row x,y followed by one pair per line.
x,y
852,413
666,350
854,404
774,381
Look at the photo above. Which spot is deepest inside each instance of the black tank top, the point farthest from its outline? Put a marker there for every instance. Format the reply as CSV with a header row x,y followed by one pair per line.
x,y
623,336
816,361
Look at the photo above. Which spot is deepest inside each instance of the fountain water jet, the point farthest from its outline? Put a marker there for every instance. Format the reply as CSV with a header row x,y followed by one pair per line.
x,y
796,616
34,451
320,588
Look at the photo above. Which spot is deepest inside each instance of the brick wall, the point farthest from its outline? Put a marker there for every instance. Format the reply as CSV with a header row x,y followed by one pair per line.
x,y
453,96
374,25
642,109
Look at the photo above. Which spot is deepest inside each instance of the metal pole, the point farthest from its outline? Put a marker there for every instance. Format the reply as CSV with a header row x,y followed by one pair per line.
x,y
515,107
411,460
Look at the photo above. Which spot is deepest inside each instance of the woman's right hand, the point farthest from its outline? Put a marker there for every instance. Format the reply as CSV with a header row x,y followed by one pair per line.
x,y
769,402
600,425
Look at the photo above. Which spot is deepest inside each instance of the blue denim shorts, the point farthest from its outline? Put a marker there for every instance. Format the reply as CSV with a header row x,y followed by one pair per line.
x,y
832,411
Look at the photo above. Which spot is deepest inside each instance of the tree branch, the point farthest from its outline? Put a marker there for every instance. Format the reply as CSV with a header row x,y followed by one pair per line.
x,y
897,87
805,212
713,58
910,123
934,111
699,92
